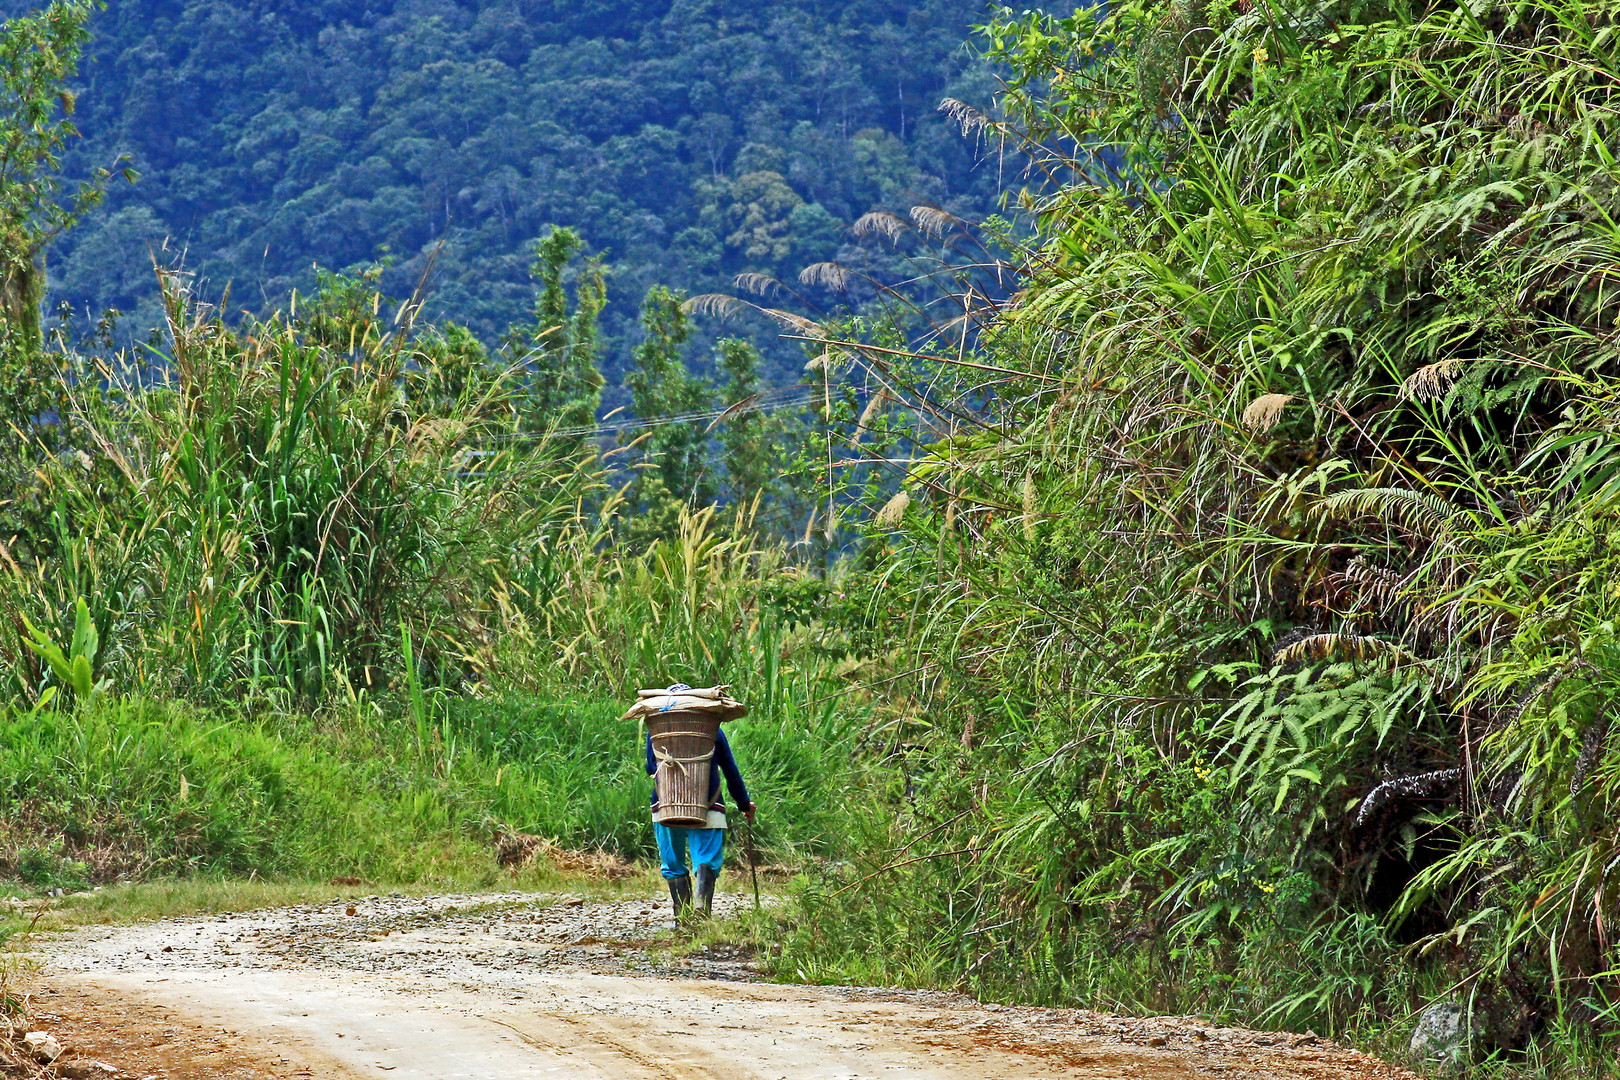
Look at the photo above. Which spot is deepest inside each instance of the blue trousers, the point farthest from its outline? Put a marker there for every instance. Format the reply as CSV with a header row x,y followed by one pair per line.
x,y
708,848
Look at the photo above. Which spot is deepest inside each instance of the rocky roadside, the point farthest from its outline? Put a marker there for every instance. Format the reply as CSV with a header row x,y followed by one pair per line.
x,y
41,1054
481,937
524,983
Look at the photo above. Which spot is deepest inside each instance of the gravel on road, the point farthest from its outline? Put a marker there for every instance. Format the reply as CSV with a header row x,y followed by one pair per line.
x,y
520,985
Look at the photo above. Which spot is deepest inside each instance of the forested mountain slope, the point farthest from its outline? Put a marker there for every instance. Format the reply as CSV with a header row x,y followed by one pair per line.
x,y
688,140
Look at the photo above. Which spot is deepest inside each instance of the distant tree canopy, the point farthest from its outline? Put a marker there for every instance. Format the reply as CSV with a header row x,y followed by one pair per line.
x,y
686,141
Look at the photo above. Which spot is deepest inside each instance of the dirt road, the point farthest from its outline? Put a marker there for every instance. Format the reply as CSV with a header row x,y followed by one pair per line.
x,y
519,986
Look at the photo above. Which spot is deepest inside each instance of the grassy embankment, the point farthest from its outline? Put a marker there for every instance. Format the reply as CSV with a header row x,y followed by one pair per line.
x,y
131,790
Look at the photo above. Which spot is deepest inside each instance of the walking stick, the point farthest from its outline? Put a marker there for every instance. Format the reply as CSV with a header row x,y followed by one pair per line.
x,y
753,858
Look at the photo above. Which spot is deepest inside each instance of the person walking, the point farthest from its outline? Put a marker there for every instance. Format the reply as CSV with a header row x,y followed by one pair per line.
x,y
706,844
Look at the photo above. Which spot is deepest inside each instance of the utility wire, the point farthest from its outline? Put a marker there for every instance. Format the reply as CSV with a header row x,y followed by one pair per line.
x,y
800,396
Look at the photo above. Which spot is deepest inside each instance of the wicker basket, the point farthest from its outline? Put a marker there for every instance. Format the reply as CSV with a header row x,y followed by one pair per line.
x,y
683,744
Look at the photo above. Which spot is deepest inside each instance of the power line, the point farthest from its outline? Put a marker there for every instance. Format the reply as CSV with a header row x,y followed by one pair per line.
x,y
800,396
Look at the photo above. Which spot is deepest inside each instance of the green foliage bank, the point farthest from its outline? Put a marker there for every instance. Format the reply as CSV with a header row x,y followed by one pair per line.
x,y
1268,632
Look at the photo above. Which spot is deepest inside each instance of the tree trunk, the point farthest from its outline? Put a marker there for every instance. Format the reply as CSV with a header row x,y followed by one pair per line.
x,y
22,287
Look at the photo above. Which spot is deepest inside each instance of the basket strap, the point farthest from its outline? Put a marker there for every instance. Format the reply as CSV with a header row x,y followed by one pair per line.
x,y
665,758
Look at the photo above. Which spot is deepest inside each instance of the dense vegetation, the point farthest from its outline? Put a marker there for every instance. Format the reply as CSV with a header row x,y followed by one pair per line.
x,y
687,142
1267,625
1223,623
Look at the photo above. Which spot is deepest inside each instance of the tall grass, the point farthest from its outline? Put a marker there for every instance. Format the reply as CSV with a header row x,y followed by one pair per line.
x,y
263,510
1266,644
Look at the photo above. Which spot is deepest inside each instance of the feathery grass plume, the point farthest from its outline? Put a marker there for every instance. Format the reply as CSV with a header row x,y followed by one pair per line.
x,y
1344,646
1433,380
967,118
10,561
1030,504
873,406
1271,230
756,283
1263,412
934,222
285,503
796,322
831,274
879,223
737,408
890,515
723,305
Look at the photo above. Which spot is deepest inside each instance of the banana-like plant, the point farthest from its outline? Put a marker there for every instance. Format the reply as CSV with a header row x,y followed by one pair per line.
x,y
73,668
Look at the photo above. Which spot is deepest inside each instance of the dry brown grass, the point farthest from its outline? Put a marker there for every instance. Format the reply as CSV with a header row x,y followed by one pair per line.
x,y
1264,411
517,850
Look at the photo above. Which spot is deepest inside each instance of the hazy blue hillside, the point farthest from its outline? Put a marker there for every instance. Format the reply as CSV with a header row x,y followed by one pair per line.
x,y
689,140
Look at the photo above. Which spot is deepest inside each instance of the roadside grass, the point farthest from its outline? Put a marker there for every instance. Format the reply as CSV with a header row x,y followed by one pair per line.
x,y
143,901
748,926
177,808
17,966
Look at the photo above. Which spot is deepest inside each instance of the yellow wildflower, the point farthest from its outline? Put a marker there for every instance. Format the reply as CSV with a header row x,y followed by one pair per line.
x,y
1260,54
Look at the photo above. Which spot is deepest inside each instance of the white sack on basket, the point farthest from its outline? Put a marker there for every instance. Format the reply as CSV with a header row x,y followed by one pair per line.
x,y
713,701
713,693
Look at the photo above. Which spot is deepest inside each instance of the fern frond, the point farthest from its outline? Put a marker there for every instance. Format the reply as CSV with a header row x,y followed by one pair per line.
x,y
1422,786
1375,587
1421,511
1365,573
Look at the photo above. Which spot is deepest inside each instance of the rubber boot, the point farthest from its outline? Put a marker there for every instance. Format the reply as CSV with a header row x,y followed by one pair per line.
x,y
680,897
706,877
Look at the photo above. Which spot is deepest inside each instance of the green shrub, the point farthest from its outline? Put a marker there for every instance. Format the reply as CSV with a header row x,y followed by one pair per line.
x,y
44,868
